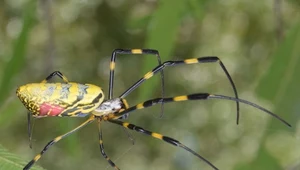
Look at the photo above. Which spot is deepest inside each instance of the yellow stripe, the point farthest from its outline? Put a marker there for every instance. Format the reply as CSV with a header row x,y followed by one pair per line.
x,y
73,90
140,106
57,138
180,98
156,135
65,79
72,113
191,61
126,124
58,86
148,75
125,103
101,142
112,65
37,157
136,51
56,93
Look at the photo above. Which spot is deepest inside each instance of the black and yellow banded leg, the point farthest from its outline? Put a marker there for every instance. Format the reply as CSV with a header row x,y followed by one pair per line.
x,y
102,148
196,96
134,52
56,73
55,140
161,137
207,59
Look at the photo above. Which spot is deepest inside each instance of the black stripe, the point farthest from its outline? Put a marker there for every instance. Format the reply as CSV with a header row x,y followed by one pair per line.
x,y
66,112
167,100
149,51
111,162
157,101
78,99
141,130
47,146
77,110
28,166
96,100
102,150
208,59
198,96
122,51
136,128
171,140
148,103
86,107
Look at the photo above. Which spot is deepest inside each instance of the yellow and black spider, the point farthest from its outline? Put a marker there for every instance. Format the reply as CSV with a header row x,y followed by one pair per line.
x,y
71,99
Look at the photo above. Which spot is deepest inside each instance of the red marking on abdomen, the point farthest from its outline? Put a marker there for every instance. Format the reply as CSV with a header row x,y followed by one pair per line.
x,y
47,109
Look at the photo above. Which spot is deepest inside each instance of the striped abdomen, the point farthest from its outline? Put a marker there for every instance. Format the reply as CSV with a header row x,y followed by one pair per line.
x,y
60,99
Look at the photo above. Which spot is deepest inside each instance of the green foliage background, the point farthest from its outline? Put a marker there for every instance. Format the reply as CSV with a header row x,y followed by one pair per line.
x,y
257,41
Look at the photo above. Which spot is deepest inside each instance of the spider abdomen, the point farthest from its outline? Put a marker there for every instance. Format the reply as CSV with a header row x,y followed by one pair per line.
x,y
60,99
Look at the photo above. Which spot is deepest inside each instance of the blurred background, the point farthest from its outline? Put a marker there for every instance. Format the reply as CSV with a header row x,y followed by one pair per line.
x,y
257,41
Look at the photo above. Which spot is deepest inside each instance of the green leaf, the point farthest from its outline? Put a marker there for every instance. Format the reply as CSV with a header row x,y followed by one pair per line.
x,y
161,35
9,161
281,83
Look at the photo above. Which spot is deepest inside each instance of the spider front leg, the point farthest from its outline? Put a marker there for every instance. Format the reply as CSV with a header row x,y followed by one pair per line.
x,y
207,59
161,137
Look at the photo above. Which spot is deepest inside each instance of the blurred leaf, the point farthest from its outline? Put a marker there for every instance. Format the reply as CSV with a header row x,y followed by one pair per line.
x,y
280,85
10,161
263,161
8,111
139,23
162,33
197,8
19,51
71,143
296,2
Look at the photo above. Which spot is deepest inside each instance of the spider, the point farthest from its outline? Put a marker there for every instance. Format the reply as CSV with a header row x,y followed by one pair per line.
x,y
71,99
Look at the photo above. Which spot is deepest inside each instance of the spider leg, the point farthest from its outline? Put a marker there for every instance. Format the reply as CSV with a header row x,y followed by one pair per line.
x,y
161,137
134,52
55,140
56,73
196,96
102,148
207,59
